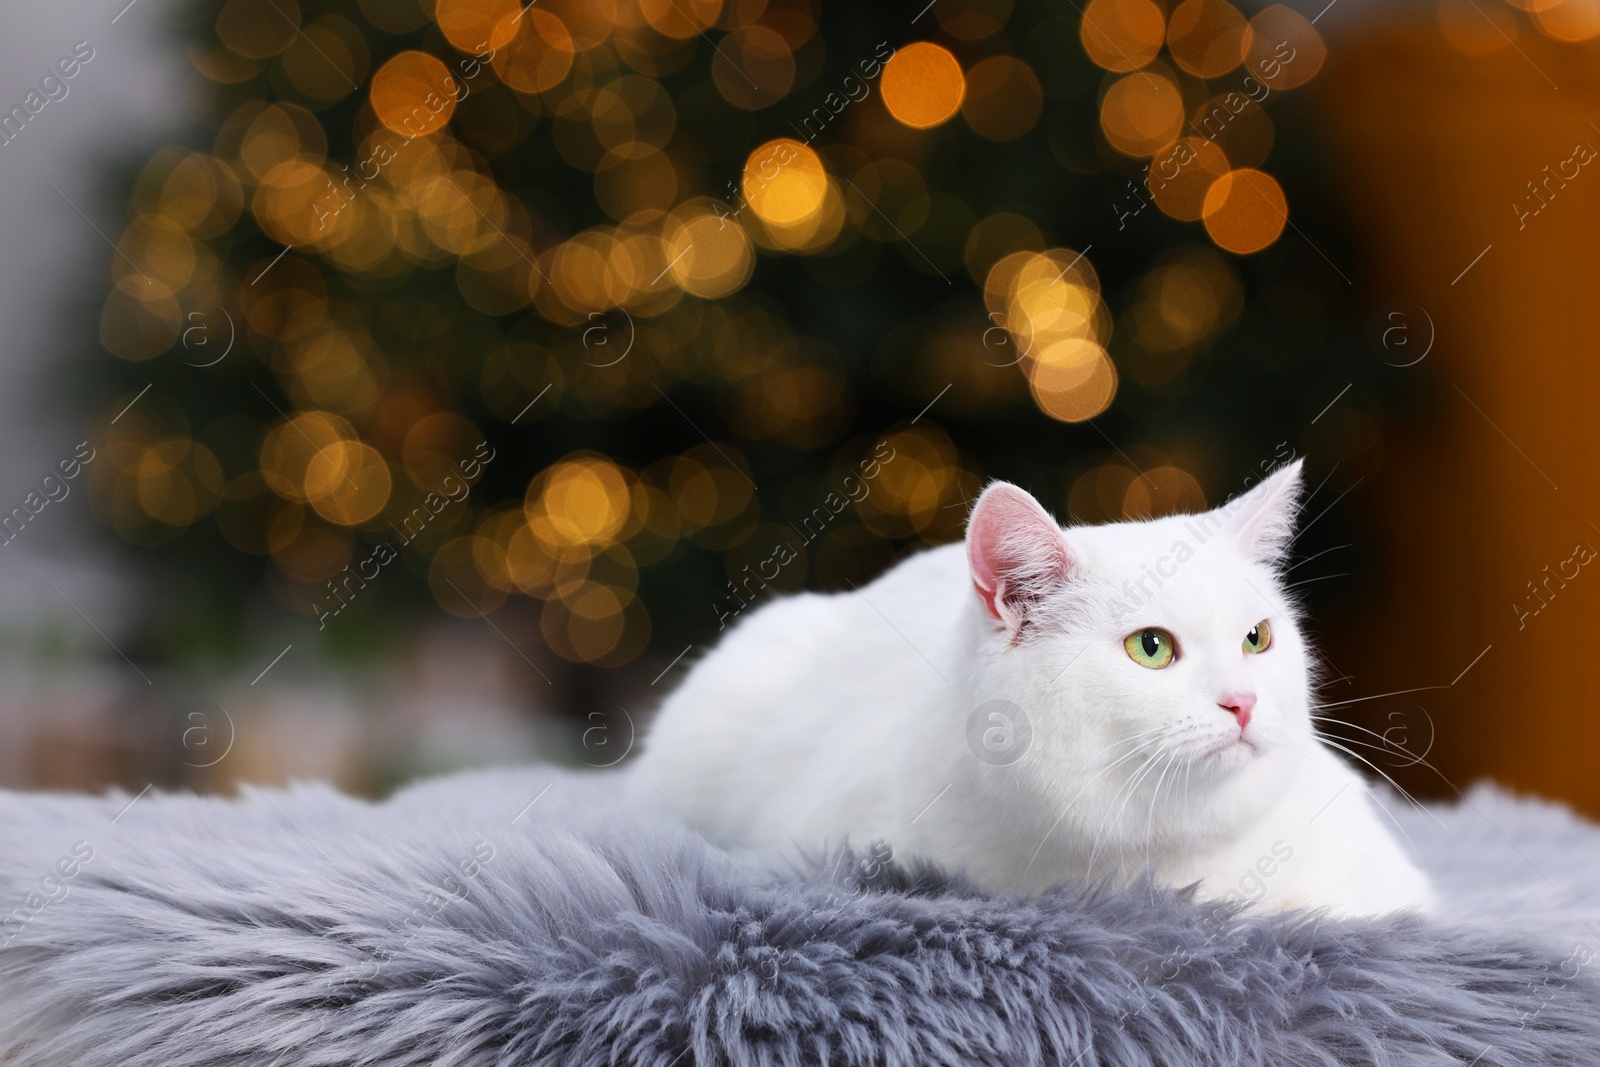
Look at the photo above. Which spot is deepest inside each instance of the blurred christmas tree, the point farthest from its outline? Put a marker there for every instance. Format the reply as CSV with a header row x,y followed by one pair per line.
x,y
601,318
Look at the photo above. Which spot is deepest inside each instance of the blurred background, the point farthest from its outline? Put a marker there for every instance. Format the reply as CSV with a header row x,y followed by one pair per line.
x,y
403,385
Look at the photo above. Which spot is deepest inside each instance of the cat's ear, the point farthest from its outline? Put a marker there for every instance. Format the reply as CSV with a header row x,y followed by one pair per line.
x,y
1263,519
1017,553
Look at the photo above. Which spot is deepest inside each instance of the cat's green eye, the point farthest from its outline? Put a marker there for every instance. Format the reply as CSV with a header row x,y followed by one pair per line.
x,y
1259,639
1150,647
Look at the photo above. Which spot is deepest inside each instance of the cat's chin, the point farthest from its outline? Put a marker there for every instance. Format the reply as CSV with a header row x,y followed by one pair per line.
x,y
1231,753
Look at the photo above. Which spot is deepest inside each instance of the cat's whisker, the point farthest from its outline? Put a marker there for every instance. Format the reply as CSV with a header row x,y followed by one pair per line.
x,y
1317,555
1413,801
1144,771
1134,737
1155,799
1384,748
1072,803
1144,846
1375,696
1386,813
1387,746
1102,830
1308,581
1120,760
1379,771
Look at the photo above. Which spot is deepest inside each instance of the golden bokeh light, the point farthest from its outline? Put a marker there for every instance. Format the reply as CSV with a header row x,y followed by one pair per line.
x,y
456,580
1181,176
580,500
1122,35
681,19
177,481
995,237
707,255
1477,30
972,20
477,26
328,59
279,133
258,29
753,67
304,552
1237,125
1072,380
539,56
1282,49
167,254
347,482
1097,495
555,244
1245,211
592,22
799,398
1569,20
596,623
918,474
1204,37
294,204
1048,297
139,321
784,182
1192,297
583,274
1162,491
332,370
201,196
1004,99
1142,112
922,85
708,493
435,447
291,447
414,94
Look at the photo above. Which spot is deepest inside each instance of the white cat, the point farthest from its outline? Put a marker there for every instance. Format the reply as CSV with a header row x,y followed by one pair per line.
x,y
1043,704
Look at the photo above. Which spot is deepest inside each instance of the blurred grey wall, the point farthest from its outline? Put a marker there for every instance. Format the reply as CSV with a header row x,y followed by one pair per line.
x,y
56,223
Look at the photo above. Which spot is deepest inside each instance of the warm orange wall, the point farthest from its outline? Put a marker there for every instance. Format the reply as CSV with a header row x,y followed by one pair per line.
x,y
1433,147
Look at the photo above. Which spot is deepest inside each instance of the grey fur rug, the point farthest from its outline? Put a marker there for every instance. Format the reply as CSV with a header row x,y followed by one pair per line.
x,y
518,918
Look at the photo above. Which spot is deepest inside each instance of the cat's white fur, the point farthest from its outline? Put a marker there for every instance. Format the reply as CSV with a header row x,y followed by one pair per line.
x,y
1020,742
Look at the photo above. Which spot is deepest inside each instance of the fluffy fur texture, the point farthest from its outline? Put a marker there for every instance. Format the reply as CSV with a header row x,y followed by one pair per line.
x,y
458,924
976,706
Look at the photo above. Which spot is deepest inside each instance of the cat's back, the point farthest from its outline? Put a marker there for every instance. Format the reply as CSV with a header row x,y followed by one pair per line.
x,y
800,690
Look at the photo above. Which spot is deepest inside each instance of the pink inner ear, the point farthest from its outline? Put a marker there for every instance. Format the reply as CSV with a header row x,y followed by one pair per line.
x,y
1016,552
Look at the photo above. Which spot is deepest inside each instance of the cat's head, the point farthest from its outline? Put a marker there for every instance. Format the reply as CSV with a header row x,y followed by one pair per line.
x,y
1137,648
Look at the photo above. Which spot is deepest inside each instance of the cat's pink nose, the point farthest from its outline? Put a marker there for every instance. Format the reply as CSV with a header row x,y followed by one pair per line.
x,y
1239,705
